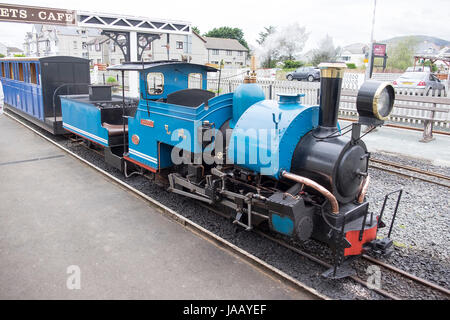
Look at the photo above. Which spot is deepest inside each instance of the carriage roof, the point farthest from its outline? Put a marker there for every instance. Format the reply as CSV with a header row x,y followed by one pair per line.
x,y
142,66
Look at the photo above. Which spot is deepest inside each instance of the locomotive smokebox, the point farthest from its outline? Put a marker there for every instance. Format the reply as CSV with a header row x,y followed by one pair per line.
x,y
331,75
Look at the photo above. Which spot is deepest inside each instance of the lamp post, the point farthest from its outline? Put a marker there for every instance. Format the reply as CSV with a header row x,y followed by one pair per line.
x,y
369,66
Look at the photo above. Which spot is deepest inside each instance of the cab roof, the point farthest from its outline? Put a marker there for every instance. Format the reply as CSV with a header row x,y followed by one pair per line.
x,y
140,66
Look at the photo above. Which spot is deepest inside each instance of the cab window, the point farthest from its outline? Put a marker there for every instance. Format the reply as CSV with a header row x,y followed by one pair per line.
x,y
155,83
195,81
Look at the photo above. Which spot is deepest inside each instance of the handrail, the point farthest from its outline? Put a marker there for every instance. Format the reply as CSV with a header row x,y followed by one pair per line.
x,y
62,86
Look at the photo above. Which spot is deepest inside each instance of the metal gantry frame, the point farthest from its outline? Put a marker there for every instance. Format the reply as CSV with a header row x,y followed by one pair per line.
x,y
133,34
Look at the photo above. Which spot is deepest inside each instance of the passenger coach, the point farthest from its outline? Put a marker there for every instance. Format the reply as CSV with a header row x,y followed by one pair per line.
x,y
31,85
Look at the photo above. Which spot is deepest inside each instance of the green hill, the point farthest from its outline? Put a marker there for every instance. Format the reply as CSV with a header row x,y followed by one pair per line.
x,y
420,39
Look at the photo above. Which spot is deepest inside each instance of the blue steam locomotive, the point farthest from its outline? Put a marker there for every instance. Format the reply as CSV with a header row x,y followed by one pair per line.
x,y
278,164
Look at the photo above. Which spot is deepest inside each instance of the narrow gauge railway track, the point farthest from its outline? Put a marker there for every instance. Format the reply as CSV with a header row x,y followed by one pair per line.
x,y
189,224
307,255
370,259
405,170
384,293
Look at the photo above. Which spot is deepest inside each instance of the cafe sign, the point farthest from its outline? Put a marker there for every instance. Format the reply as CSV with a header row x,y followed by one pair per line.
x,y
27,14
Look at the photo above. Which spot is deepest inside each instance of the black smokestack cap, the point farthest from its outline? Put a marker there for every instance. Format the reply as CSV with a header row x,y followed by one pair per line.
x,y
331,74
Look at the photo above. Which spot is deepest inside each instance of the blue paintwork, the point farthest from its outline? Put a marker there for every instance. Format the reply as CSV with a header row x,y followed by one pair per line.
x,y
175,78
269,151
156,143
245,96
83,119
22,94
182,123
282,225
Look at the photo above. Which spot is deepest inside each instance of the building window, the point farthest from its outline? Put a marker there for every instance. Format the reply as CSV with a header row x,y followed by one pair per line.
x,y
179,45
229,53
98,47
75,45
215,52
155,83
240,53
195,81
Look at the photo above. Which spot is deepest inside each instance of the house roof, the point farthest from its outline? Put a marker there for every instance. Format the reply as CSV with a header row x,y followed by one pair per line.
x,y
98,40
137,66
224,44
199,36
13,49
356,48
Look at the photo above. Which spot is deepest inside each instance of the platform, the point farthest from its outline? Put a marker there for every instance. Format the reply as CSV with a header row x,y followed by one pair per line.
x,y
56,212
405,142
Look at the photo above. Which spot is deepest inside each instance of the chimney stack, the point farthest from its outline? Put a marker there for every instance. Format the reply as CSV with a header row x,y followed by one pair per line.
x,y
331,74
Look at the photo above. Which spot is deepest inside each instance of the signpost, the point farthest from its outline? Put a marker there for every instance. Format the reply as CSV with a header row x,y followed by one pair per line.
x,y
27,14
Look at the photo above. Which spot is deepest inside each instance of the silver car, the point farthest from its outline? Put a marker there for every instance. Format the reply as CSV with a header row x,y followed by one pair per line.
x,y
421,83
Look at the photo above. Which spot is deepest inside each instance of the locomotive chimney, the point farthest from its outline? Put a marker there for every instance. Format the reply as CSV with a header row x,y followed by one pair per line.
x,y
331,75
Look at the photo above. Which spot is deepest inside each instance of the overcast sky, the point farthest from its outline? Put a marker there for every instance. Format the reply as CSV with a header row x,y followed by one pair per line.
x,y
347,21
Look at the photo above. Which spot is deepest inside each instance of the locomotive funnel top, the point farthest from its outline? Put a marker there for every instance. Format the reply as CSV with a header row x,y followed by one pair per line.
x,y
331,75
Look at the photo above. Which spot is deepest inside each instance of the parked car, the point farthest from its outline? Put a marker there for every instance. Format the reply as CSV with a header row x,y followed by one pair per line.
x,y
308,73
418,69
423,83
1,98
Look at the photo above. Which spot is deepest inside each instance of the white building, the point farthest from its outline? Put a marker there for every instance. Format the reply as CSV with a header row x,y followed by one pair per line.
x,y
233,54
102,50
354,53
49,40
90,44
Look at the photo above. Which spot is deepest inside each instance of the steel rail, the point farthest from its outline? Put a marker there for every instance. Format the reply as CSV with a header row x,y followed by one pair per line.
x,y
190,225
409,175
408,275
410,168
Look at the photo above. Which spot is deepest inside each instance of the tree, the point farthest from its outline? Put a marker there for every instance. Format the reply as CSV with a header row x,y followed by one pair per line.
x,y
269,56
196,30
291,41
401,55
264,34
284,44
326,52
228,32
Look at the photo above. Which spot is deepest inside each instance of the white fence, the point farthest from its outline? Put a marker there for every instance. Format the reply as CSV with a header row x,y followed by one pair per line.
x,y
410,106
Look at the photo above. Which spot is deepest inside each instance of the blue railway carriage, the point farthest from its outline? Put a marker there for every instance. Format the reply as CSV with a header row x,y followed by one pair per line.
x,y
31,85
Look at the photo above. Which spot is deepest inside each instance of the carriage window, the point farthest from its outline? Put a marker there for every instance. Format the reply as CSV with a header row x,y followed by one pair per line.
x,y
3,70
33,73
11,71
195,81
21,77
155,83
